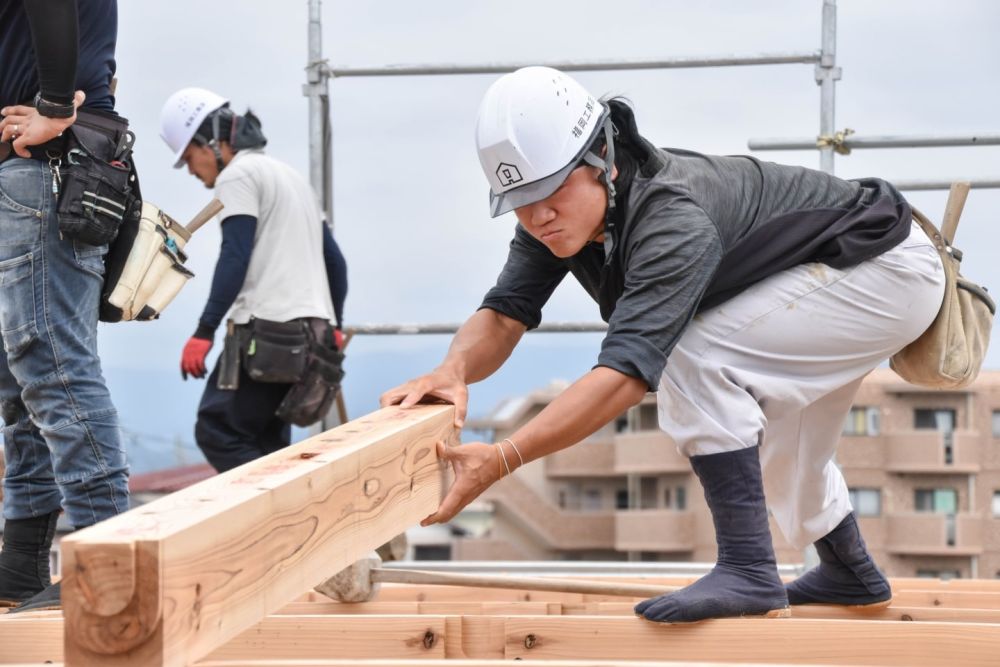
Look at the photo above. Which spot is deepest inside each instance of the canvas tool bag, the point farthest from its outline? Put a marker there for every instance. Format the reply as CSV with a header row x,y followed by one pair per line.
x,y
950,353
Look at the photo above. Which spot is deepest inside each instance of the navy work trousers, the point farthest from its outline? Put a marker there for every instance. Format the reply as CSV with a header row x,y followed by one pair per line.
x,y
238,426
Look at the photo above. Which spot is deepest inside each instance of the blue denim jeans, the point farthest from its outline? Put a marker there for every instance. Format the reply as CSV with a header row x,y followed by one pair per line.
x,y
62,442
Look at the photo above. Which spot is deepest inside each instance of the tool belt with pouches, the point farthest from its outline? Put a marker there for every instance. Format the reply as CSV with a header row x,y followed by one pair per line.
x,y
93,176
300,352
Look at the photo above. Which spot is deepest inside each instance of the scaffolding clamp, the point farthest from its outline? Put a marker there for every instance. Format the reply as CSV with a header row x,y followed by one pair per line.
x,y
838,141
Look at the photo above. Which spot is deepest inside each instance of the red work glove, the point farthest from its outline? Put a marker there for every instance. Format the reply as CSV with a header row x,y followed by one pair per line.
x,y
193,357
338,339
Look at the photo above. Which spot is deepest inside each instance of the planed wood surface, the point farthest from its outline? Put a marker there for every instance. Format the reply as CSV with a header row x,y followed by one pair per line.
x,y
891,613
959,598
170,581
318,637
790,641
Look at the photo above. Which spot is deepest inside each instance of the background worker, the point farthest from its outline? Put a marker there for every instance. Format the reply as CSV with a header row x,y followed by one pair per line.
x,y
278,262
752,297
62,443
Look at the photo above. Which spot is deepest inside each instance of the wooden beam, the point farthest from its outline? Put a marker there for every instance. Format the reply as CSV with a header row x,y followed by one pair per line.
x,y
618,638
805,641
892,613
170,581
473,663
936,597
24,639
363,638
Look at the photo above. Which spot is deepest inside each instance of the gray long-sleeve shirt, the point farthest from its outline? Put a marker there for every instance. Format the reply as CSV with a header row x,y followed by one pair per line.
x,y
693,231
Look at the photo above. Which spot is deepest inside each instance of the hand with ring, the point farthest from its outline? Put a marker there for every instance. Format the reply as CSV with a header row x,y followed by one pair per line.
x,y
23,126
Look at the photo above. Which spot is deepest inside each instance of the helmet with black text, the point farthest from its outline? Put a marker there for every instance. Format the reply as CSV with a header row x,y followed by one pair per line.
x,y
535,126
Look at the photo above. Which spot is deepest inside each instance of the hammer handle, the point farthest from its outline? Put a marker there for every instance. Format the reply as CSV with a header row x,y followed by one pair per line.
x,y
204,215
953,210
395,576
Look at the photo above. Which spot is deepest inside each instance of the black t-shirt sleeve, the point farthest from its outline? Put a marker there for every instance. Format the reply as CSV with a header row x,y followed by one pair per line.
x,y
670,257
527,280
54,34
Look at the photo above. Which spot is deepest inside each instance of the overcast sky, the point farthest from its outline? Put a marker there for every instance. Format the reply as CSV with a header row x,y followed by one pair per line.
x,y
410,200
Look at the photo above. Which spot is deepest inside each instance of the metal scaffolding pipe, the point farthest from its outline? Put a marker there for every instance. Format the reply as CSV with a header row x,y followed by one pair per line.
x,y
317,90
854,141
411,329
827,75
979,184
578,65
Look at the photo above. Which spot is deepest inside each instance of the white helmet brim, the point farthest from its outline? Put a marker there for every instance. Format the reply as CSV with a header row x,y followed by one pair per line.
x,y
536,191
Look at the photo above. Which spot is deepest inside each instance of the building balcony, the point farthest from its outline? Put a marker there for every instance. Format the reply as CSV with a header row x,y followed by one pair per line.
x,y
931,534
647,453
589,458
654,530
932,452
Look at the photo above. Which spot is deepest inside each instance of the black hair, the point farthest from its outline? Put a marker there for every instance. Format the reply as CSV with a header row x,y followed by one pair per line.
x,y
247,131
631,149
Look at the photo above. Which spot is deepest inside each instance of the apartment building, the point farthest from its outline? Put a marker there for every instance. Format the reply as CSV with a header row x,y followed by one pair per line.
x,y
923,469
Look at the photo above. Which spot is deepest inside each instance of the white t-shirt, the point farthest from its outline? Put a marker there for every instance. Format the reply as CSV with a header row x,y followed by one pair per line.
x,y
286,278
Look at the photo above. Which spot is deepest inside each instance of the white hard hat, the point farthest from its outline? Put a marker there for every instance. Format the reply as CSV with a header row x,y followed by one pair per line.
x,y
183,114
534,127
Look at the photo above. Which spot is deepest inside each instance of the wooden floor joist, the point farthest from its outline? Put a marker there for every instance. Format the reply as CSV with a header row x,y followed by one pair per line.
x,y
169,582
617,638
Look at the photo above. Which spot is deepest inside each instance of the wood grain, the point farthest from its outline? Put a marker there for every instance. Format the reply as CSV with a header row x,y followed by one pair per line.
x,y
168,582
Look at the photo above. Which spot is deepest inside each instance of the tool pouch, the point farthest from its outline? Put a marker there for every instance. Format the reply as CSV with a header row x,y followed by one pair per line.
x,y
229,361
950,354
310,398
276,351
95,176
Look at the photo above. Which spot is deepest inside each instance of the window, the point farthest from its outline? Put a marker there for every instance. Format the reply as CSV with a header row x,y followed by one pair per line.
x,y
676,494
862,421
940,501
621,424
866,502
591,500
649,419
996,423
996,504
647,493
621,499
934,418
432,552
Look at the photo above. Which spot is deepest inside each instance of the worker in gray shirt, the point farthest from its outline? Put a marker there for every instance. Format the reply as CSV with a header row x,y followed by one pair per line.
x,y
751,297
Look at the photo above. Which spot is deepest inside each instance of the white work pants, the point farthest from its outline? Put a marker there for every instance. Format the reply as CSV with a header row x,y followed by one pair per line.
x,y
779,365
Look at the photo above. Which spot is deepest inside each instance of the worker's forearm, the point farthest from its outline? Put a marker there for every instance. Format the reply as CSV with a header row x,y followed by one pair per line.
x,y
482,345
587,405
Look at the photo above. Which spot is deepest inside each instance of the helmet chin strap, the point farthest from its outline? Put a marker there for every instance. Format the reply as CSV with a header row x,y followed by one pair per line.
x,y
214,143
606,164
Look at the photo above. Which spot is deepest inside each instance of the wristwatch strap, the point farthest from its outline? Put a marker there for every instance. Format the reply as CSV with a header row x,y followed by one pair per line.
x,y
52,109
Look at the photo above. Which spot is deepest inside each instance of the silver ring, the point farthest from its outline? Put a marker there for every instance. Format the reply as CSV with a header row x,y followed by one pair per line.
x,y
16,128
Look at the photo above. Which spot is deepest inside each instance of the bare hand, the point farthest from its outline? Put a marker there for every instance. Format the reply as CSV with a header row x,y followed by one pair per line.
x,y
26,127
439,383
476,467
